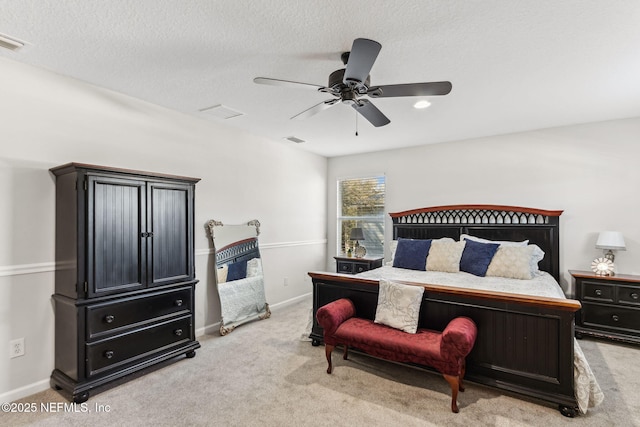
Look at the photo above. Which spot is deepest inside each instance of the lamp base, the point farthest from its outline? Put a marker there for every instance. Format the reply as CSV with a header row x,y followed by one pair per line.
x,y
610,255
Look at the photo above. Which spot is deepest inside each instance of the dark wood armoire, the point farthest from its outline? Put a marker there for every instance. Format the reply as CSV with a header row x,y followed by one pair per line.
x,y
125,276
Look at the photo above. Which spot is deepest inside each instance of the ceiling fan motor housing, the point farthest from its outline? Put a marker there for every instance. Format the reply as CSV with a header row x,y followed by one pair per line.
x,y
336,82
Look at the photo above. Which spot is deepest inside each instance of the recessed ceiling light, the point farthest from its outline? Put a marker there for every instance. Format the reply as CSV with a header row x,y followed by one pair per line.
x,y
10,43
222,112
294,139
421,104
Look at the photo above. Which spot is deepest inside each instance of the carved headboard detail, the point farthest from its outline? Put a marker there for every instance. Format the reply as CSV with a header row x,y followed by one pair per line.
x,y
494,222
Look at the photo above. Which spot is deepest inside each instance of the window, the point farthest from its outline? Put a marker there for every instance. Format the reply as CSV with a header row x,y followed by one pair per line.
x,y
361,204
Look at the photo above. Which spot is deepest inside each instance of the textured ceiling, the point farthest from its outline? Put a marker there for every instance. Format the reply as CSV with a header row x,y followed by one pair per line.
x,y
515,65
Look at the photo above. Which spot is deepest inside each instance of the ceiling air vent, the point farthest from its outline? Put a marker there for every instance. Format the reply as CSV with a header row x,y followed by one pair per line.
x,y
294,139
221,112
10,42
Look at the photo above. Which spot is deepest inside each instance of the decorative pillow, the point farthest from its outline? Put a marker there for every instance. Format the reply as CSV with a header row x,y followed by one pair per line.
x,y
254,267
476,257
393,246
445,255
537,255
221,273
399,305
237,271
412,254
513,262
500,242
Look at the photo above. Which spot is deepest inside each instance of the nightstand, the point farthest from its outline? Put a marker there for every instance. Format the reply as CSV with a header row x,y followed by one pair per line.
x,y
610,306
353,265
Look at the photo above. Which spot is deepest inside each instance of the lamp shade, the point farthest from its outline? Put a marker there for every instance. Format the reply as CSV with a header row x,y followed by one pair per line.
x,y
356,234
612,240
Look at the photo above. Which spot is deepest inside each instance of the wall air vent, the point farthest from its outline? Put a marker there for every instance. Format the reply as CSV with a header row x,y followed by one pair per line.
x,y
10,43
222,112
294,139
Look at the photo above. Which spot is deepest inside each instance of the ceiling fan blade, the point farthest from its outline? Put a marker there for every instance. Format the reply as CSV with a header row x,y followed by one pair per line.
x,y
286,83
410,89
361,58
315,109
371,113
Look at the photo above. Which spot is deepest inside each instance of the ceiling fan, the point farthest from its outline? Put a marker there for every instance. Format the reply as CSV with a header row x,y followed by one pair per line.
x,y
348,85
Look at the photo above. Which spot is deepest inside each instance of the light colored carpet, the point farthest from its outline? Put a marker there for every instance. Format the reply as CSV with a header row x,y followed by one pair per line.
x,y
263,374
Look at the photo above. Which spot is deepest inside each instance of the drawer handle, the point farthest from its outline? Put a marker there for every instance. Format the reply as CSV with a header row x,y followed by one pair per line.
x,y
615,317
634,295
178,302
109,318
178,332
108,354
598,292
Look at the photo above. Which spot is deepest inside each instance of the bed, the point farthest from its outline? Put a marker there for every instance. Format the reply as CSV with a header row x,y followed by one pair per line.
x,y
525,339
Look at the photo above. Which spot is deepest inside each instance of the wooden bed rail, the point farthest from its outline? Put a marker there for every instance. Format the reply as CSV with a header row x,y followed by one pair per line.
x,y
547,302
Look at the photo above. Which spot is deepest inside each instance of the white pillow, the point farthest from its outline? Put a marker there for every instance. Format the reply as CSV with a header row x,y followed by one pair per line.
x,y
512,262
393,245
444,255
221,273
254,267
537,255
501,242
399,305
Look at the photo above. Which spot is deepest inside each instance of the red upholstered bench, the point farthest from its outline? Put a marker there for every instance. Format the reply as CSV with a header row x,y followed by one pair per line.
x,y
445,351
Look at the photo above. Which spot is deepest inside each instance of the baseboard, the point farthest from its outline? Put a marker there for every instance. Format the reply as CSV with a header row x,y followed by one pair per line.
x,y
25,391
215,327
289,302
208,329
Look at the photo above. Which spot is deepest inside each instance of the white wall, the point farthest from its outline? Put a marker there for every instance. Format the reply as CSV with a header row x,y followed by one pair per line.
x,y
47,120
590,171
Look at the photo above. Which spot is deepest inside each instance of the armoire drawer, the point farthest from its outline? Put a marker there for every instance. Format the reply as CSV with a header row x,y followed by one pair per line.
x,y
610,317
109,317
112,352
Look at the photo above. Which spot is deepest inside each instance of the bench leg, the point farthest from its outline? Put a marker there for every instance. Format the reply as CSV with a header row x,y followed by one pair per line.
x,y
327,350
346,352
454,382
463,367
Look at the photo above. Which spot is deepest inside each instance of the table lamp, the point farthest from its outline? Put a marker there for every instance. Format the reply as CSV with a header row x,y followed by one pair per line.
x,y
355,235
608,241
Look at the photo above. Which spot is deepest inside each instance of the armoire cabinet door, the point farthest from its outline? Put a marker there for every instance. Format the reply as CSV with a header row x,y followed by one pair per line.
x,y
170,219
115,241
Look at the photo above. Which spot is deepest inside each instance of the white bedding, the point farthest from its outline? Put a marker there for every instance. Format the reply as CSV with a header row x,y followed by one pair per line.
x,y
543,285
587,390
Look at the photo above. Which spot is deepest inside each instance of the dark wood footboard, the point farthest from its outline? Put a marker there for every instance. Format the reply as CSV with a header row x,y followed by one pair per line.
x,y
524,343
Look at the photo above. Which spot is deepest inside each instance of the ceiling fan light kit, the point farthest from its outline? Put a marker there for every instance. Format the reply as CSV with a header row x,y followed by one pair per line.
x,y
348,85
421,105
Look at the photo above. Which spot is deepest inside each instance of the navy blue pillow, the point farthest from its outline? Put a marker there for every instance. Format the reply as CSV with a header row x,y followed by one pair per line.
x,y
477,256
237,271
412,254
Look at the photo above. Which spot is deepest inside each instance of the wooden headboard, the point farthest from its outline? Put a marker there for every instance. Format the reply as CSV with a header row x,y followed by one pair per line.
x,y
494,222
